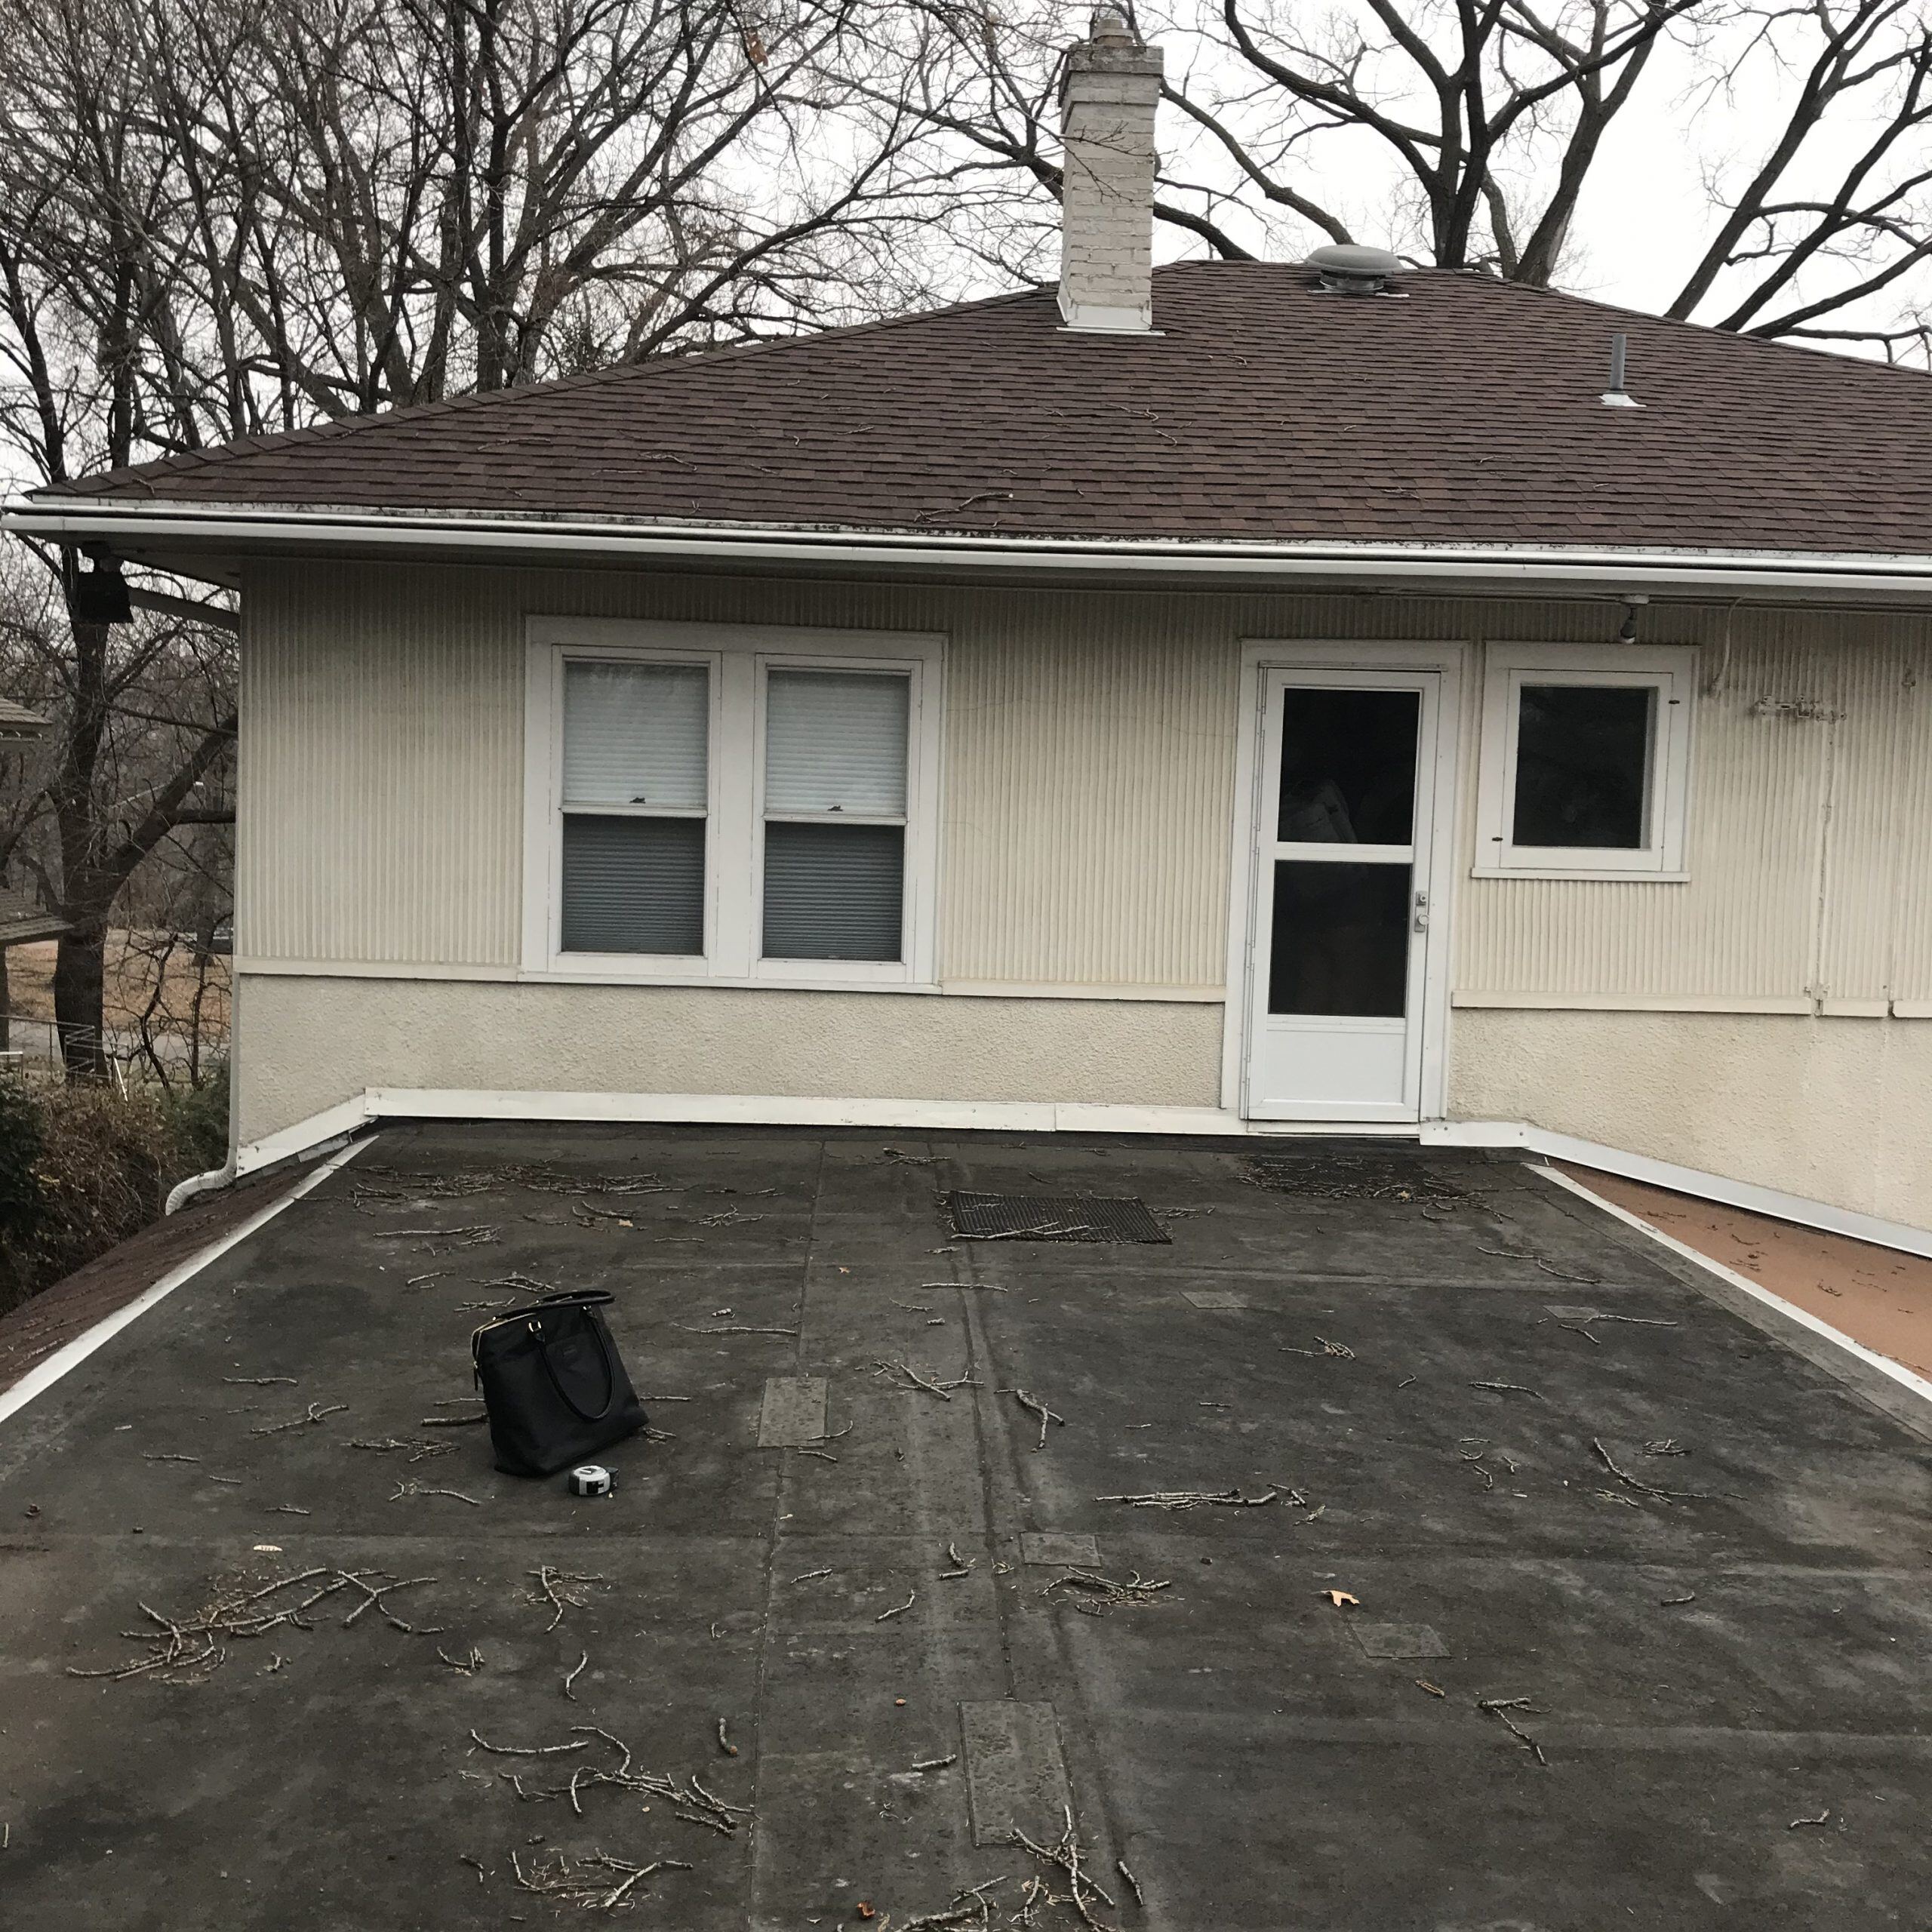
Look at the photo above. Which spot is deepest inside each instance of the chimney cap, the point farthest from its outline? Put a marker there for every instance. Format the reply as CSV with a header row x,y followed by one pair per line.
x,y
1350,268
1112,46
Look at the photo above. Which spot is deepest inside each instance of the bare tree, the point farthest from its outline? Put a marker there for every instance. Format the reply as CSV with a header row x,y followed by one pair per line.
x,y
222,217
1478,126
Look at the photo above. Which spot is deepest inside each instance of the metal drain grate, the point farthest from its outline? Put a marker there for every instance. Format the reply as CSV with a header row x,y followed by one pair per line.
x,y
1051,1217
1350,1177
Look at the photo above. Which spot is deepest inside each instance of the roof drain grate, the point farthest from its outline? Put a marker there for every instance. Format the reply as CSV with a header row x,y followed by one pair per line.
x,y
1052,1217
1351,1177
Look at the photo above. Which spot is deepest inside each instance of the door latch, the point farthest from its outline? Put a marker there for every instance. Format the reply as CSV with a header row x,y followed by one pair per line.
x,y
1422,912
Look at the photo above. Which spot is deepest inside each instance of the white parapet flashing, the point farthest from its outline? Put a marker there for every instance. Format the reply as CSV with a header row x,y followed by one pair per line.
x,y
377,1103
1896,1370
43,1374
1771,1201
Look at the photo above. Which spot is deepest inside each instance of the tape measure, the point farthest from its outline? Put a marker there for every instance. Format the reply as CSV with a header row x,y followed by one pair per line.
x,y
592,1479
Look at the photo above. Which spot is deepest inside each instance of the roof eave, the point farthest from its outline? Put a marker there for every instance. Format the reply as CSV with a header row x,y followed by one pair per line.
x,y
243,528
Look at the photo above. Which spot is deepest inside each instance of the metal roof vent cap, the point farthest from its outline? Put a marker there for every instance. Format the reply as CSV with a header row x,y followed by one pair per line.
x,y
1349,268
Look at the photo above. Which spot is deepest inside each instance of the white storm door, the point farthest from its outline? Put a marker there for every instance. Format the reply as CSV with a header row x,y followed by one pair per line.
x,y
1339,922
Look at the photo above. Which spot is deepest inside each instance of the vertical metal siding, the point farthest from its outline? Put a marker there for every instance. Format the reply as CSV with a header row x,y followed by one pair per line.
x,y
1087,803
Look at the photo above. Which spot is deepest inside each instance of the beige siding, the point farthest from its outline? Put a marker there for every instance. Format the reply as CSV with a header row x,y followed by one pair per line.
x,y
1090,759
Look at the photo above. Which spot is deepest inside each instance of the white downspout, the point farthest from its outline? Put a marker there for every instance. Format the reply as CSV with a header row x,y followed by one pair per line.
x,y
183,1192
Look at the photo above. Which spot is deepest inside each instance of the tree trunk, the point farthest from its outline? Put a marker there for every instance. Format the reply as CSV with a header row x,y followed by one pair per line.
x,y
79,965
6,1006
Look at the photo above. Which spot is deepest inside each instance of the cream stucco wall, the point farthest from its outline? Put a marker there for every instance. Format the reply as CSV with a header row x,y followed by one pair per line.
x,y
1089,758
1837,1110
307,1042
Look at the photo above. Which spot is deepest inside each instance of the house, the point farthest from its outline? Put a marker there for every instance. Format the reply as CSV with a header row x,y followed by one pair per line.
x,y
1238,698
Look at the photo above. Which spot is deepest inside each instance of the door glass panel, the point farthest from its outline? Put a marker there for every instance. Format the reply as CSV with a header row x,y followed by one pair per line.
x,y
1341,939
1583,756
1348,767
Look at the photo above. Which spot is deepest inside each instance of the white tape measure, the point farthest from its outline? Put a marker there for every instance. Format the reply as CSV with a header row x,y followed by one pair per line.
x,y
592,1479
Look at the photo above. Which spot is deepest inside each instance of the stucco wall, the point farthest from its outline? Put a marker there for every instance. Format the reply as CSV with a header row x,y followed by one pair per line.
x,y
309,1042
1836,1110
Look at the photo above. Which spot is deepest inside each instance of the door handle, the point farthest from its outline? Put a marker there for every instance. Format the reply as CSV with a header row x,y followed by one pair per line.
x,y
1422,912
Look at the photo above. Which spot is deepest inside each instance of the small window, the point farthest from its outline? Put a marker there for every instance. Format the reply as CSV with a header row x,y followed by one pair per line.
x,y
835,814
1585,761
637,746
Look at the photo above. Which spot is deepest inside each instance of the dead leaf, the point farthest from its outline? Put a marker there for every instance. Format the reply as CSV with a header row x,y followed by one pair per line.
x,y
866,1911
1339,1598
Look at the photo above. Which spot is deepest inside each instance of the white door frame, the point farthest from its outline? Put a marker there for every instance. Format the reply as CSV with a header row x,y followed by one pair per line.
x,y
1259,655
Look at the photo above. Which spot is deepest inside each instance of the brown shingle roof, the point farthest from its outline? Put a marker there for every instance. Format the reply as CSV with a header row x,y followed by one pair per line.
x,y
1468,412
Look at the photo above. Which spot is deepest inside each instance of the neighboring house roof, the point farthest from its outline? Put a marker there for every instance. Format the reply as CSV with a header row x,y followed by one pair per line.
x,y
1468,412
18,722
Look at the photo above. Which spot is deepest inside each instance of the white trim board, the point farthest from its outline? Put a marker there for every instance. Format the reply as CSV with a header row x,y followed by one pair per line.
x,y
1896,1370
43,1374
1823,574
1771,1201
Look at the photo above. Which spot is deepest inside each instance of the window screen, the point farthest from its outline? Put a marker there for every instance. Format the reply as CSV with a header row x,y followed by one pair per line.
x,y
1584,756
835,810
636,740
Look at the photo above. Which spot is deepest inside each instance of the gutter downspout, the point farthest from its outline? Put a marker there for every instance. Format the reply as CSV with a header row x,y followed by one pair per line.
x,y
215,1179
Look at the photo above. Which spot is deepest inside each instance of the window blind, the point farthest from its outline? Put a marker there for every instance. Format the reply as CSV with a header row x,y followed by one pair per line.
x,y
633,884
636,734
834,741
833,891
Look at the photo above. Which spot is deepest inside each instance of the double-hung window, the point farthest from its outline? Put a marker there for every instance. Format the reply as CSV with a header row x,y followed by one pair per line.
x,y
1585,761
728,803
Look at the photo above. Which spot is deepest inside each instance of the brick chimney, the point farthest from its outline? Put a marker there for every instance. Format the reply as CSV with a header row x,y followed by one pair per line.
x,y
1107,101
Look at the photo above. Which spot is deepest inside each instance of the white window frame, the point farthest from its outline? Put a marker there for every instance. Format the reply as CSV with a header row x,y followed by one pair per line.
x,y
739,658
1670,670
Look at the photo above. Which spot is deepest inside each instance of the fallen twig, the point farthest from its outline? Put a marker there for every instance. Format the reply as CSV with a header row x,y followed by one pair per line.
x,y
724,1744
962,1566
732,1328
1643,1488
576,1671
931,1385
260,1381
1189,1498
1500,1708
1508,1388
936,1763
1041,1410
1106,1593
1822,1817
183,1649
911,1598
316,1414
586,1881
555,1587
403,1489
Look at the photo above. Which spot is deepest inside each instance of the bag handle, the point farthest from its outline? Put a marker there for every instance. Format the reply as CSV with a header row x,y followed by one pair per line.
x,y
609,1378
563,1298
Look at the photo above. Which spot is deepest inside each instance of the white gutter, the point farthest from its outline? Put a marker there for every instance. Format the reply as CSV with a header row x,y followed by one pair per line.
x,y
1730,571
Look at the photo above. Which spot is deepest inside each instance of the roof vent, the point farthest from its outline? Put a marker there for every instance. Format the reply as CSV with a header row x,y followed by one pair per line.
x,y
1348,268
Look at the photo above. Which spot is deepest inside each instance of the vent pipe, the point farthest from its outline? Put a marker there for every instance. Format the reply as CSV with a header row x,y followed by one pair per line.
x,y
1616,396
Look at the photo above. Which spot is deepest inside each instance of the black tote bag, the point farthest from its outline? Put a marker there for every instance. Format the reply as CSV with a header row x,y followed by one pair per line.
x,y
553,1383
